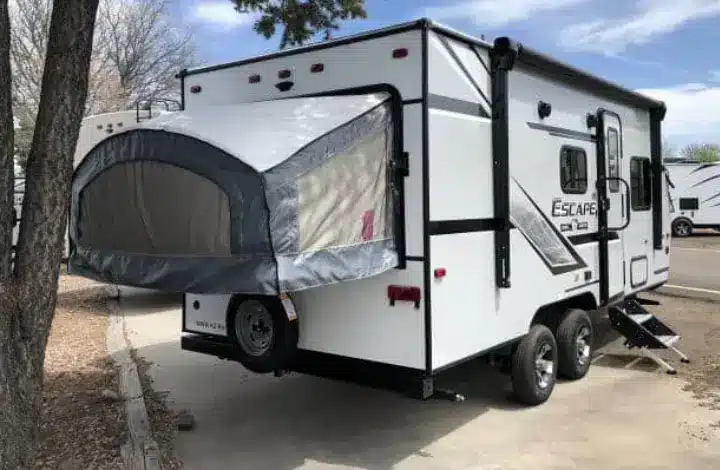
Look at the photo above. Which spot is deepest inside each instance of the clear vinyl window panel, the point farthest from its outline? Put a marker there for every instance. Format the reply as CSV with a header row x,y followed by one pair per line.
x,y
346,201
155,208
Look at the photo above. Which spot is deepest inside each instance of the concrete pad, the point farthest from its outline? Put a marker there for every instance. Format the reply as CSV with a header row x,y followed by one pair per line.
x,y
615,418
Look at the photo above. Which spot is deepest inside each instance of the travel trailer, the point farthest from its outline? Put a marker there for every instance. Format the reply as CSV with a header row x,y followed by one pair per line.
x,y
93,129
382,207
695,196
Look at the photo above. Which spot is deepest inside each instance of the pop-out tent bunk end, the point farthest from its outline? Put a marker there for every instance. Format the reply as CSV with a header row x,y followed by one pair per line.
x,y
258,198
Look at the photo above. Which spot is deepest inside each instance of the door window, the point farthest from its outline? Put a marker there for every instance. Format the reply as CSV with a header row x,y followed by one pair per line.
x,y
613,152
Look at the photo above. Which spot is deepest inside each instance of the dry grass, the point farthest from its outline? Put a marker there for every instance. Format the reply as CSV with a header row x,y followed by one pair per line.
x,y
80,428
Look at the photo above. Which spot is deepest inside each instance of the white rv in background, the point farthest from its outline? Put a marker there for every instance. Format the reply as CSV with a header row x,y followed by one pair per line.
x,y
383,207
695,196
93,129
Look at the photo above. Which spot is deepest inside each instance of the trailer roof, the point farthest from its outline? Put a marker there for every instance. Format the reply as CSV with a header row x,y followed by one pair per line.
x,y
543,63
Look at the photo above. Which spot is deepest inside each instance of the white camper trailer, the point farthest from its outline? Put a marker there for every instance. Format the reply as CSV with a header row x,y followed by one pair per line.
x,y
382,207
695,193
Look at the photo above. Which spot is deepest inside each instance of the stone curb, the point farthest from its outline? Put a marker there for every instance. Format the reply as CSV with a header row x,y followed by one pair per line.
x,y
141,452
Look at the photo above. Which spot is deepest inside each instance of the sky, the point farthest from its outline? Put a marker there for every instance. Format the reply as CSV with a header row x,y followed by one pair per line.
x,y
667,49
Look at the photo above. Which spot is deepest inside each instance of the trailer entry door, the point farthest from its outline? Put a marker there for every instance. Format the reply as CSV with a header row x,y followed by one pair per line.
x,y
613,207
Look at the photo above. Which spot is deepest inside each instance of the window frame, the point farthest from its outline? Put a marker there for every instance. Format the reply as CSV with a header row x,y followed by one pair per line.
x,y
633,203
573,189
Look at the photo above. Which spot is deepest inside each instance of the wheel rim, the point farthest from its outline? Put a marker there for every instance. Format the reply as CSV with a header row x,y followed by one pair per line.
x,y
582,343
682,228
544,366
253,327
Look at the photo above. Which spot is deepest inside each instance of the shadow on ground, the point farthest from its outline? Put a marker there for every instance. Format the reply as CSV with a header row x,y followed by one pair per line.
x,y
281,423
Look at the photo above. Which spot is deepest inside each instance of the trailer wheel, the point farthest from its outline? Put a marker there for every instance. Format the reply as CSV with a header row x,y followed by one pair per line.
x,y
266,339
681,228
575,338
534,366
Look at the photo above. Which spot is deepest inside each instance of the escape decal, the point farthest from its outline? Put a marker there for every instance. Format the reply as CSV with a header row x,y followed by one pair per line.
x,y
562,208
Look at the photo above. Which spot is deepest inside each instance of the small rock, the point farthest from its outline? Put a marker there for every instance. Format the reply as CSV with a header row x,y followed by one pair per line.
x,y
185,421
109,395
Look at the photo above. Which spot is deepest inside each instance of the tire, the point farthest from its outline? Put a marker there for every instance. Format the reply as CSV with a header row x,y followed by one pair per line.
x,y
528,386
265,339
681,228
575,337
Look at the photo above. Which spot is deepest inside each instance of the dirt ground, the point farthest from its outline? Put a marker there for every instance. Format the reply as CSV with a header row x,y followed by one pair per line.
x,y
83,424
698,322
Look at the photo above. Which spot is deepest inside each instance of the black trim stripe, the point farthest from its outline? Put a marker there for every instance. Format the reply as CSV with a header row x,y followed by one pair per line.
x,y
415,258
454,105
582,286
446,227
464,69
562,132
592,237
412,101
662,270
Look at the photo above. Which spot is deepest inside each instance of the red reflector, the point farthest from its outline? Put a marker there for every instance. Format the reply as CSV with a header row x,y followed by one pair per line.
x,y
404,294
284,74
440,272
400,53
317,68
254,79
195,89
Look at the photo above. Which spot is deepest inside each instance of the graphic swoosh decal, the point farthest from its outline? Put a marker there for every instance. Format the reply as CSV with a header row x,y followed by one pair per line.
x,y
706,180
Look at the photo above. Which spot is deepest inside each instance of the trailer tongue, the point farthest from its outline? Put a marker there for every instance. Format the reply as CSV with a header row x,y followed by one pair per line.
x,y
259,198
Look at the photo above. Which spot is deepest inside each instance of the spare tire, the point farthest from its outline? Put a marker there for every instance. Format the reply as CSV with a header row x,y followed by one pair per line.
x,y
265,338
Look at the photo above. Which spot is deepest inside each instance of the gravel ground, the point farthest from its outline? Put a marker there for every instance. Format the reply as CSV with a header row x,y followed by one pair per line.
x,y
83,424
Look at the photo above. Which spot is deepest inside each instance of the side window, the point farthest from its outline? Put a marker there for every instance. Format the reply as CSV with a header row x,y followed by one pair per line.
x,y
573,170
613,152
640,181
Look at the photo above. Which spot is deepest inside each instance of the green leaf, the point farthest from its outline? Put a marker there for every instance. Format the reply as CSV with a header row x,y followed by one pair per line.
x,y
300,20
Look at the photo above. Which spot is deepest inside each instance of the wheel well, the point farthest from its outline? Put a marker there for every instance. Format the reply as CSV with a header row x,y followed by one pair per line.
x,y
550,314
682,217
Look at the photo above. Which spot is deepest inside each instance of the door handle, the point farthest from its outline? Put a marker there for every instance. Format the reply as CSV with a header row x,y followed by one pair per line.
x,y
627,195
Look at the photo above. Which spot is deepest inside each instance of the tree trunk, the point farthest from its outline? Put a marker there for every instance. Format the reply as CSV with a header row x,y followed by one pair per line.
x,y
7,144
27,304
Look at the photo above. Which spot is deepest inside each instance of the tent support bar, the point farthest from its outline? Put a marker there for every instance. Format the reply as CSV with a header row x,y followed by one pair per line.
x,y
502,59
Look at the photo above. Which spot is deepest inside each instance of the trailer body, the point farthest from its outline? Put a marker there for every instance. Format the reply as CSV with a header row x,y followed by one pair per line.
x,y
695,195
526,188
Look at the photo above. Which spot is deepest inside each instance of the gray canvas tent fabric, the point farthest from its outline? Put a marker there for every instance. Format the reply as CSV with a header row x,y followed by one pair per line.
x,y
161,207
